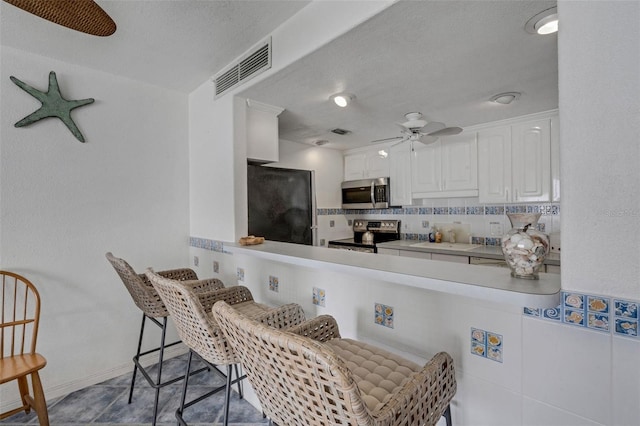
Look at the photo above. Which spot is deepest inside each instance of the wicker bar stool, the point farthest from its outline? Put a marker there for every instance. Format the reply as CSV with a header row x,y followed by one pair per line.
x,y
309,376
199,331
146,298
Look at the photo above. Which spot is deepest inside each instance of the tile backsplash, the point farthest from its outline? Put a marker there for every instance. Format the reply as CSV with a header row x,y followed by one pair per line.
x,y
486,223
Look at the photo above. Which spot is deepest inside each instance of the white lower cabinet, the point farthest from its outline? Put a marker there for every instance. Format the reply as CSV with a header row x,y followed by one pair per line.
x,y
450,258
415,254
392,252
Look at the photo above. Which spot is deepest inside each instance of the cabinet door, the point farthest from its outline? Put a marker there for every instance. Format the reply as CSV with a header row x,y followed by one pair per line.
x,y
377,163
400,174
426,167
494,165
531,161
354,166
450,258
415,254
460,162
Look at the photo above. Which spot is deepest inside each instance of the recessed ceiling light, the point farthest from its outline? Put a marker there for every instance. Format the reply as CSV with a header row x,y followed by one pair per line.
x,y
505,98
342,99
545,22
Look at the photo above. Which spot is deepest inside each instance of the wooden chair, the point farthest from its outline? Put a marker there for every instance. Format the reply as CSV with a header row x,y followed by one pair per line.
x,y
20,318
147,299
200,332
308,375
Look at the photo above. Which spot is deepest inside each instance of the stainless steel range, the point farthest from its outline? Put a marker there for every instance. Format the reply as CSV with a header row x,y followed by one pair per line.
x,y
367,233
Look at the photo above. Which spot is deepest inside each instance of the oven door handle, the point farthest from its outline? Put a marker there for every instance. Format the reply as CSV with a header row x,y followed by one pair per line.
x,y
373,196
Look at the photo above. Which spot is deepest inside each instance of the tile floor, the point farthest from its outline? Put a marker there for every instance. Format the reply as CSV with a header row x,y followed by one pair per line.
x,y
106,403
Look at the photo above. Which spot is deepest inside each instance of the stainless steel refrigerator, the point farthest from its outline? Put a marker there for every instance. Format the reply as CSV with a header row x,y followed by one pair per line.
x,y
281,204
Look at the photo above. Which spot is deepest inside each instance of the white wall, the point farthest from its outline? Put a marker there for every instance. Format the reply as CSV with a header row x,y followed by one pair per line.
x,y
600,153
65,203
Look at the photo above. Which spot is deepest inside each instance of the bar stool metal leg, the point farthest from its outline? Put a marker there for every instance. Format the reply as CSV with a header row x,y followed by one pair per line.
x,y
135,364
447,415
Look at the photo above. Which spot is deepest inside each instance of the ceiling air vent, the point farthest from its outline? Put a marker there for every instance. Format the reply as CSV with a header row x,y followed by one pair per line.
x,y
247,66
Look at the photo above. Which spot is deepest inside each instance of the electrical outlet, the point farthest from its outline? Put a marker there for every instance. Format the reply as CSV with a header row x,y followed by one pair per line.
x,y
350,222
332,223
425,223
322,242
196,261
216,267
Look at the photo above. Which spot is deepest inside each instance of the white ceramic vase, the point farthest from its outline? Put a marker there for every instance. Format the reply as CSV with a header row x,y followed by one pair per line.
x,y
523,246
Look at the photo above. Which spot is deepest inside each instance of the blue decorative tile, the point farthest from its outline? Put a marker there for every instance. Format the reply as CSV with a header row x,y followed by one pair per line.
x,y
319,296
383,315
426,210
573,300
411,210
273,283
440,210
553,314
475,210
456,210
541,227
598,304
493,241
626,309
573,317
598,321
478,240
486,344
494,210
516,208
626,327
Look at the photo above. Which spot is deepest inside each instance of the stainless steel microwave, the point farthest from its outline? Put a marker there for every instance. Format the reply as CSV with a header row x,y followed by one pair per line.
x,y
366,194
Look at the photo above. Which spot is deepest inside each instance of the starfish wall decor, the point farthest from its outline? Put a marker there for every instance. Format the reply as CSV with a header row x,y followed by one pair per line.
x,y
53,105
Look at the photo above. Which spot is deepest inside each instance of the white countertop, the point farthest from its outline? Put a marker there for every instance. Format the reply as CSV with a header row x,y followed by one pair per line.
x,y
488,252
494,284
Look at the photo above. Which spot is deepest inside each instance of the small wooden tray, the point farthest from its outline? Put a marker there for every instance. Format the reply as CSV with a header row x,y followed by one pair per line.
x,y
251,240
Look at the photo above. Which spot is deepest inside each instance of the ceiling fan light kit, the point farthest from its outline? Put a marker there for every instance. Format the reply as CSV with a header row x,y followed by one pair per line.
x,y
342,99
545,22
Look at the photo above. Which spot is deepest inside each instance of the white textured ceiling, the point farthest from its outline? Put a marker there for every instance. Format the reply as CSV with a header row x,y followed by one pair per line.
x,y
442,58
177,44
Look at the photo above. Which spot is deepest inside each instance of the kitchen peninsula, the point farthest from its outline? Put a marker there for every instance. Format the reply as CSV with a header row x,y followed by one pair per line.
x,y
485,283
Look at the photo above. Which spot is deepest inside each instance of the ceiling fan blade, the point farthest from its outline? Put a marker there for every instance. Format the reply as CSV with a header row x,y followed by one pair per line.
x,y
387,139
432,127
428,139
447,131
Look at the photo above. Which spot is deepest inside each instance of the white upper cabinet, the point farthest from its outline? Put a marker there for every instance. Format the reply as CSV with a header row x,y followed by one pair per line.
x,y
399,174
531,161
371,163
262,131
494,165
514,162
446,168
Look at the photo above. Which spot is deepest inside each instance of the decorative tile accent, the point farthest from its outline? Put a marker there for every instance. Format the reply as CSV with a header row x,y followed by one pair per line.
x,y
626,318
475,210
440,210
600,313
319,296
383,315
478,240
457,210
273,283
494,210
486,344
493,241
517,208
207,244
240,274
216,266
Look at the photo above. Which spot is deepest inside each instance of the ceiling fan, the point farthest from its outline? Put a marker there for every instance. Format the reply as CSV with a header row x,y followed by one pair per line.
x,y
418,129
